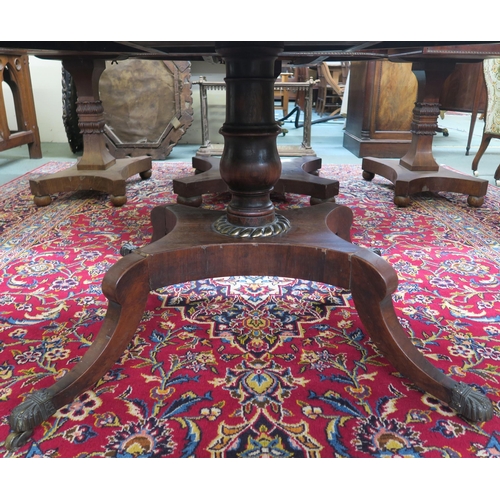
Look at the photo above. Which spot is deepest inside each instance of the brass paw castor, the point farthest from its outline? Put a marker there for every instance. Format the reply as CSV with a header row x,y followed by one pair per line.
x,y
470,403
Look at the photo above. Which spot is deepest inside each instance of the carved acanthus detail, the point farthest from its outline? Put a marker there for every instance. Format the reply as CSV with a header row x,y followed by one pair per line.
x,y
427,108
36,408
423,128
470,403
91,117
425,118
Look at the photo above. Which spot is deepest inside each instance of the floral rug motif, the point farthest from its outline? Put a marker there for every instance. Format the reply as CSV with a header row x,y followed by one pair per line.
x,y
249,366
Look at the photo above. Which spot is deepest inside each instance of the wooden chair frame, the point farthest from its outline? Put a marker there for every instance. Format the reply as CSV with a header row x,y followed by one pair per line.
x,y
14,71
328,89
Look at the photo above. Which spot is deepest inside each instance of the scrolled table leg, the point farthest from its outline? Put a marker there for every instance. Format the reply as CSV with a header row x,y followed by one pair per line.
x,y
373,281
126,285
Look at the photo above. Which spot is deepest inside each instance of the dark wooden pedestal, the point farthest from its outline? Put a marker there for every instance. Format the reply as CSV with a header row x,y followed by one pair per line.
x,y
249,238
97,169
418,171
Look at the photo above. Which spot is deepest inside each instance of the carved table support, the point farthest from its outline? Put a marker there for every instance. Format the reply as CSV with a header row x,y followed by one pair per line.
x,y
250,238
298,175
250,164
97,169
418,171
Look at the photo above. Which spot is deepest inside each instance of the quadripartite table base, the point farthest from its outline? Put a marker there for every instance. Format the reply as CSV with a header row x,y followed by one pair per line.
x,y
316,247
249,238
418,171
110,180
407,182
298,175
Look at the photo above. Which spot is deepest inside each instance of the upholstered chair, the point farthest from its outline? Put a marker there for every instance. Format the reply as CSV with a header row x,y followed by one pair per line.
x,y
491,68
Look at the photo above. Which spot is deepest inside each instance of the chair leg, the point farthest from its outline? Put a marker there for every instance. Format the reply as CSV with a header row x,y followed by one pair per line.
x,y
335,112
320,101
482,148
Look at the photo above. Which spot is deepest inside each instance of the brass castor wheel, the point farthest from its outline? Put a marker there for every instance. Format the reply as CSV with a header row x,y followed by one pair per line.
x,y
368,176
17,439
42,201
475,201
146,174
402,201
118,201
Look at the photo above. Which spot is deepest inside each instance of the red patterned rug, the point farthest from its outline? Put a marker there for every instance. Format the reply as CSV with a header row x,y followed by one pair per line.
x,y
247,366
